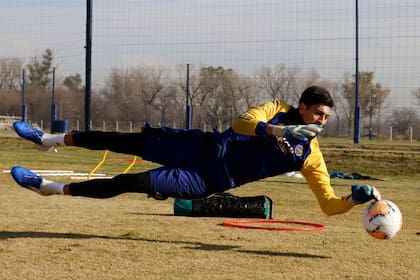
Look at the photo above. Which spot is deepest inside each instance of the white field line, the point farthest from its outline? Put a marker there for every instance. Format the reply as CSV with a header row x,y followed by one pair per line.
x,y
68,173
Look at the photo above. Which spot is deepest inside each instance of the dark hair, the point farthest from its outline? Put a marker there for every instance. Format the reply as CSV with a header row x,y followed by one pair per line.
x,y
316,95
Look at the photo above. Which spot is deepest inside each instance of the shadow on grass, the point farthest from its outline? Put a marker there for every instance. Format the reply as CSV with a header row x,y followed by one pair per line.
x,y
336,182
284,182
212,247
151,214
284,254
4,235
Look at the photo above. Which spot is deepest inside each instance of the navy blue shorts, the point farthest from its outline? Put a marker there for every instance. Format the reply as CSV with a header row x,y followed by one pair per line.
x,y
177,182
191,167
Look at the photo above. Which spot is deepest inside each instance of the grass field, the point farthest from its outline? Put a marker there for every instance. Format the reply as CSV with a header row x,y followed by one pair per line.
x,y
132,237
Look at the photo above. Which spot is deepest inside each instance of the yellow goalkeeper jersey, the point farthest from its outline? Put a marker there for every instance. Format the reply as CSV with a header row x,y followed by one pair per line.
x,y
253,123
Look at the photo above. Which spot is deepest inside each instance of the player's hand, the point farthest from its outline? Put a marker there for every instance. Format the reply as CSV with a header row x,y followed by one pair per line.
x,y
363,193
300,132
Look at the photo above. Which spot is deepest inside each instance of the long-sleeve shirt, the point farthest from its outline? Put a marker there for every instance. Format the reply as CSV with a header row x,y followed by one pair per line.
x,y
307,156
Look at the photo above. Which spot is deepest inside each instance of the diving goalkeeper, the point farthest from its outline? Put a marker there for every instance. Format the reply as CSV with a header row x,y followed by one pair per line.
x,y
264,141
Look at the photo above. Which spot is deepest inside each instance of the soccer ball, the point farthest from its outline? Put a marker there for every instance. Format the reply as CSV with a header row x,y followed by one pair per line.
x,y
382,219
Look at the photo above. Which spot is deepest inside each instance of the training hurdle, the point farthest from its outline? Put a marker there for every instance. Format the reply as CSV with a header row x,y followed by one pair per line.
x,y
82,175
103,159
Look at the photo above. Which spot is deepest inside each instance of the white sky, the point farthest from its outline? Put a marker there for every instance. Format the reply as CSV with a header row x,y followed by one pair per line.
x,y
242,34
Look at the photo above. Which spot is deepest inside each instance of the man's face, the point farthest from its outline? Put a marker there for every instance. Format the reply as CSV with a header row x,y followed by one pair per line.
x,y
315,114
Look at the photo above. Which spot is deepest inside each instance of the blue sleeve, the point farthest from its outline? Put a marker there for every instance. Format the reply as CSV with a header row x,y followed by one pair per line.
x,y
260,128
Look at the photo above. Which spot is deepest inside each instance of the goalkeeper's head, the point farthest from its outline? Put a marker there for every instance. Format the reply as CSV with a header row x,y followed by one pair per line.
x,y
315,105
316,95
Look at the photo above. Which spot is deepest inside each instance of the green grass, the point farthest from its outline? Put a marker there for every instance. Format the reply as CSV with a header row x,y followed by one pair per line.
x,y
376,158
132,237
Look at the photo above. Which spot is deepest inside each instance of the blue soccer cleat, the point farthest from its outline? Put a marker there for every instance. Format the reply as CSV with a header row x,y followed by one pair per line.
x,y
26,178
24,130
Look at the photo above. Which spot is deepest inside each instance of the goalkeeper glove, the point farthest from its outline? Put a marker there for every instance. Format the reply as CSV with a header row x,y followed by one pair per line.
x,y
363,193
300,132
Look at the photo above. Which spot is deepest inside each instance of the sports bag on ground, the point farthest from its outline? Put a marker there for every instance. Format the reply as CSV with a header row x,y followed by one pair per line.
x,y
225,205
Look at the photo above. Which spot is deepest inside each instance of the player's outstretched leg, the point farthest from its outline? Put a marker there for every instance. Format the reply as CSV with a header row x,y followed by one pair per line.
x,y
29,180
28,132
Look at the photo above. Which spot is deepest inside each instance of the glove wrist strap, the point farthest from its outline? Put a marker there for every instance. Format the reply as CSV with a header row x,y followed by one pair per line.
x,y
278,130
349,200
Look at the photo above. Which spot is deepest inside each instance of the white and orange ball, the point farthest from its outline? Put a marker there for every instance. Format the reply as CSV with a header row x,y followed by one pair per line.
x,y
382,219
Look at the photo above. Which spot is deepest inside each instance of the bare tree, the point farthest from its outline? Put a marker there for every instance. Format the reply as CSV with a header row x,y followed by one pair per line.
x,y
371,97
10,73
347,94
104,106
123,87
198,88
276,82
38,87
223,98
247,91
208,83
402,120
416,94
285,83
10,103
170,107
299,81
151,83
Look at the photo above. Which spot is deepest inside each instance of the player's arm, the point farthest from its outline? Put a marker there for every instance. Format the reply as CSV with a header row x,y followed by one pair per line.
x,y
255,120
316,174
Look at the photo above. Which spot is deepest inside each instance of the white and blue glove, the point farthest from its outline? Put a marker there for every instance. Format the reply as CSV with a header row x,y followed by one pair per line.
x,y
300,132
363,193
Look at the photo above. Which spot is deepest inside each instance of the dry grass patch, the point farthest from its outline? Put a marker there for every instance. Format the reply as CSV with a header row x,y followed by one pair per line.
x,y
131,237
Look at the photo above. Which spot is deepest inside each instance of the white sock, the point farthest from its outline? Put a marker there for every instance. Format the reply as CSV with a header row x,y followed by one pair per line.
x,y
53,139
49,187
